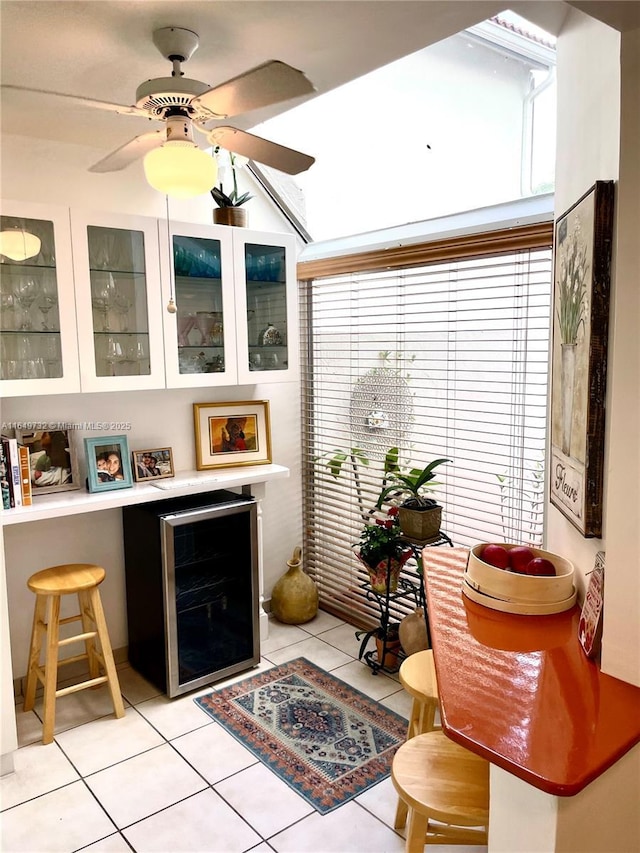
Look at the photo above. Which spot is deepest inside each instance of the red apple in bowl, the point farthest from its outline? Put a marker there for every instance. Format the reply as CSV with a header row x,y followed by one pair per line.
x,y
519,557
540,566
496,556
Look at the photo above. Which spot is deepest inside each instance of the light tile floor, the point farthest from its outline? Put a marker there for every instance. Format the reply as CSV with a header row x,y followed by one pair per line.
x,y
168,778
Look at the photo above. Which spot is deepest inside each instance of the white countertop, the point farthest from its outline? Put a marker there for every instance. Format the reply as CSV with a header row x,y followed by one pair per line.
x,y
60,504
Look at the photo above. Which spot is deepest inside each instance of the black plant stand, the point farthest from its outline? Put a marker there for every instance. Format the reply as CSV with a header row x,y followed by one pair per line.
x,y
408,588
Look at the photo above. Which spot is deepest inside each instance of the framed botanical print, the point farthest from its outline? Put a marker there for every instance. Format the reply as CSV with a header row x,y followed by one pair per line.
x,y
582,274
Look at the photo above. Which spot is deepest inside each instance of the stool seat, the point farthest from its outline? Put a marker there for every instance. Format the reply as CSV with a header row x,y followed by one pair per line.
x,y
49,585
66,579
439,780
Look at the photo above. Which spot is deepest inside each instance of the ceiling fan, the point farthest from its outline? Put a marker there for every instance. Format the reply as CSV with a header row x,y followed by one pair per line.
x,y
183,105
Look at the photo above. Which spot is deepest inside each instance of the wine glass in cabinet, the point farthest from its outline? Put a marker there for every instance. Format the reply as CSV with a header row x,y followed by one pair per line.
x,y
200,337
266,306
119,302
39,352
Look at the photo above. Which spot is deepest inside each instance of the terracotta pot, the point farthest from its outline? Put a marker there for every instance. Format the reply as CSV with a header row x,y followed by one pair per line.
x,y
230,216
391,654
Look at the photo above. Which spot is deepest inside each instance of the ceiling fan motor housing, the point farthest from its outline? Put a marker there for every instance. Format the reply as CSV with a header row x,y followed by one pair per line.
x,y
159,95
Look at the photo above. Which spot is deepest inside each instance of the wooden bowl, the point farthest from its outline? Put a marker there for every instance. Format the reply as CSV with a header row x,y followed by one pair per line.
x,y
520,589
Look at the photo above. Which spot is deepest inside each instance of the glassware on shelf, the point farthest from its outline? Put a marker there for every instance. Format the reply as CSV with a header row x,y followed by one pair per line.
x,y
26,290
102,248
114,354
103,289
48,300
270,336
7,311
255,361
204,322
186,322
122,305
217,330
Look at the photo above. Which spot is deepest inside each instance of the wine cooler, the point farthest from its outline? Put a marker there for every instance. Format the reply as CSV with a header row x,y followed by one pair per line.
x,y
192,589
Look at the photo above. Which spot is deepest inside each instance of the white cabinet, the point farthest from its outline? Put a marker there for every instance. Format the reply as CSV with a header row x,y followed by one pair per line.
x,y
266,306
235,292
118,301
200,338
38,343
89,312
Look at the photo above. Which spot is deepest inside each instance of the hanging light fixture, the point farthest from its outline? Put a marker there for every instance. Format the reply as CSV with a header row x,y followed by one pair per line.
x,y
179,168
19,244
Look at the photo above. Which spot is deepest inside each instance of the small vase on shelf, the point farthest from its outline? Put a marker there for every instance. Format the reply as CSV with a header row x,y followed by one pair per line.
x,y
230,216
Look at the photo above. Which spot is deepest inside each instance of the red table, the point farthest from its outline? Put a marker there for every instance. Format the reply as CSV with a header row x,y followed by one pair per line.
x,y
520,691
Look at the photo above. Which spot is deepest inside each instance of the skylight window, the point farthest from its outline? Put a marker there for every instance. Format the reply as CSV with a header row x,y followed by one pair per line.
x,y
455,126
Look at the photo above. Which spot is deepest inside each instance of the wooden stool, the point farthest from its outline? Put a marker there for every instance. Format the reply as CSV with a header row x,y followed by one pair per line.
x,y
441,781
418,677
49,585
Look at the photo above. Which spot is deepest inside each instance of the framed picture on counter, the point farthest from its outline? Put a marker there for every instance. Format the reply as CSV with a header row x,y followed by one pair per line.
x,y
156,464
53,460
108,463
232,434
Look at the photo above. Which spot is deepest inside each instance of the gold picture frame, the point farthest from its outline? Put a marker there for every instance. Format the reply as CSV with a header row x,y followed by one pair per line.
x,y
155,464
230,435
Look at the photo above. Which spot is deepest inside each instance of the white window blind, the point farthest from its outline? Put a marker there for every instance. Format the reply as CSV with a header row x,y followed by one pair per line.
x,y
441,359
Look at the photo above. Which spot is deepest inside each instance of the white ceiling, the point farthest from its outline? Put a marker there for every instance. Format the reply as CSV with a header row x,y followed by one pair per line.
x,y
103,49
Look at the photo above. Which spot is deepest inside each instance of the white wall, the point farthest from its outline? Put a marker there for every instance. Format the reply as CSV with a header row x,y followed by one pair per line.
x,y
603,817
39,170
589,119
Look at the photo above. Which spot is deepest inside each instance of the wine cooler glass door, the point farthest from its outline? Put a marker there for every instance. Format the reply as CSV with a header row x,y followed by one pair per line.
x,y
211,594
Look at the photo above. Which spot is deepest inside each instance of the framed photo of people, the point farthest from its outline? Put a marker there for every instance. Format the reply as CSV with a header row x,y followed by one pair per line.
x,y
582,273
53,459
153,464
232,434
108,463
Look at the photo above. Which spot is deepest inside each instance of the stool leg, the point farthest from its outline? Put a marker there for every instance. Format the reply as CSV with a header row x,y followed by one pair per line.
x,y
88,625
414,720
37,632
51,668
416,832
401,814
107,654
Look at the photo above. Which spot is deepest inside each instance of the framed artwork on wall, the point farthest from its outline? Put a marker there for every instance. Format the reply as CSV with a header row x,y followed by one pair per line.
x,y
582,276
232,434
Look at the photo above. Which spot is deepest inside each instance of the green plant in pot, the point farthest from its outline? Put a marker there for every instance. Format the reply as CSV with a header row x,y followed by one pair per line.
x,y
419,515
383,551
229,210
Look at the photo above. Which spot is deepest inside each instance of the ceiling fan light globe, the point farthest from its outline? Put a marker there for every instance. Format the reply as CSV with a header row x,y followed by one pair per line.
x,y
180,170
18,244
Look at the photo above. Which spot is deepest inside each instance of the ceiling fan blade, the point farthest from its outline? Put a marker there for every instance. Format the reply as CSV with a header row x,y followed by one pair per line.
x,y
84,102
261,150
266,84
130,151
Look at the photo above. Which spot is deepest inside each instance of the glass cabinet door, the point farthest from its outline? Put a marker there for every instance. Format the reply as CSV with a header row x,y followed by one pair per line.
x,y
119,303
118,299
200,336
266,277
37,314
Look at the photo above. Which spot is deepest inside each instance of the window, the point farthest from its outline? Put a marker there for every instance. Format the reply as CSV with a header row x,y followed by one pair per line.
x,y
440,349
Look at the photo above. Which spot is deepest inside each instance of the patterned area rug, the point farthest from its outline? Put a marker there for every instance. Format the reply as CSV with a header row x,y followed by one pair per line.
x,y
324,738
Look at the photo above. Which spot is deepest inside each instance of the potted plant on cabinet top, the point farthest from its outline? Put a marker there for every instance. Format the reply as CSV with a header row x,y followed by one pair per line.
x,y
419,516
229,210
383,551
